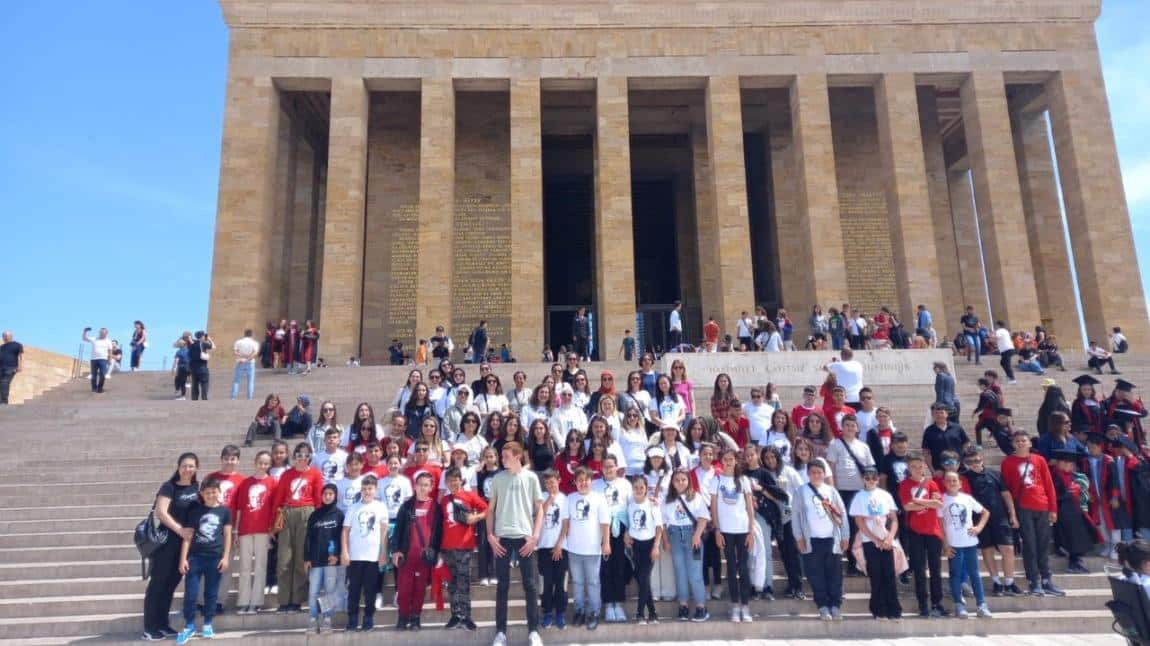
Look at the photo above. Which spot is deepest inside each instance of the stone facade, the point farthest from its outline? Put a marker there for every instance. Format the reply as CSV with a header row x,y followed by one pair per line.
x,y
383,165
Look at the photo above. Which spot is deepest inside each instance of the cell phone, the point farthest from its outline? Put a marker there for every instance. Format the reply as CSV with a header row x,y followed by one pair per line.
x,y
87,329
697,553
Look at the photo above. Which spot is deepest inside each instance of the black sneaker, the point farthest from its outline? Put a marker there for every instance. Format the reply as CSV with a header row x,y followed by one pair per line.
x,y
284,608
467,624
684,613
368,624
152,636
1012,590
401,623
942,612
924,613
592,620
904,578
1052,590
168,631
352,626
700,615
414,623
219,609
996,591
453,623
577,618
1036,590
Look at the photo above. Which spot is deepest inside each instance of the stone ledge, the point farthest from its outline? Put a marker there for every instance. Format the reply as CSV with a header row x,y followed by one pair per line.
x,y
880,367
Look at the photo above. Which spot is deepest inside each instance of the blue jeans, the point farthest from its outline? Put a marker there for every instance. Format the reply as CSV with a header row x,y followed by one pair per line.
x,y
974,341
688,569
825,572
964,564
203,567
585,591
244,371
137,354
99,370
1031,366
327,579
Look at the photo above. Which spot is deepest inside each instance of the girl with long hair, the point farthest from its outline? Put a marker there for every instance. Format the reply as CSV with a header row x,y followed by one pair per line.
x,y
721,397
817,431
666,407
790,481
470,439
541,447
732,509
685,514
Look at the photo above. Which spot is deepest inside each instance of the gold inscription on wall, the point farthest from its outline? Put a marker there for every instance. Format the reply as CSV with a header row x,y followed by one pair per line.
x,y
866,243
481,277
400,313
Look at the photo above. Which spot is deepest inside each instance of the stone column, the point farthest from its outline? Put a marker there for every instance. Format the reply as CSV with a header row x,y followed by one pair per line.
x,y
526,217
436,207
242,283
300,239
341,295
818,196
947,316
911,226
614,231
1005,251
791,248
972,274
1096,212
732,255
1043,211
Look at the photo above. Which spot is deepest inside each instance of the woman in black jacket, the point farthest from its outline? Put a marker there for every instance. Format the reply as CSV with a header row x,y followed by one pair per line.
x,y
415,550
321,547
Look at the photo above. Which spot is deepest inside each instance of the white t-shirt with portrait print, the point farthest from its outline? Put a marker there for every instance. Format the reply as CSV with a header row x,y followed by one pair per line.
x,y
818,518
875,506
348,492
643,518
364,521
957,514
731,504
552,520
585,516
675,512
781,442
393,491
616,493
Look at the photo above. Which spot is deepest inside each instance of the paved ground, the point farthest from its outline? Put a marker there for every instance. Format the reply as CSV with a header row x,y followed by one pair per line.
x,y
1001,640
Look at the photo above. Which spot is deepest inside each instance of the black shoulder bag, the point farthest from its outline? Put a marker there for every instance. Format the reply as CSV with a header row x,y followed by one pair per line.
x,y
426,552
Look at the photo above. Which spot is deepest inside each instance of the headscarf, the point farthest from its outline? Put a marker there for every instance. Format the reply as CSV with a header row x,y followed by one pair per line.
x,y
603,390
324,508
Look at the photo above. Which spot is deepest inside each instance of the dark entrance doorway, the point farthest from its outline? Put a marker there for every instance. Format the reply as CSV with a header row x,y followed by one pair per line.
x,y
568,227
656,258
764,262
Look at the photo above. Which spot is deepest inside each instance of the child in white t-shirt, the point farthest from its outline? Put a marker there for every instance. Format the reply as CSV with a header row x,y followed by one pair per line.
x,y
552,560
586,536
960,543
732,509
616,491
364,551
644,533
876,517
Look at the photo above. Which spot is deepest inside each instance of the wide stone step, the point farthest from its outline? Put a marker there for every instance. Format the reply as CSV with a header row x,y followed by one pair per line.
x,y
74,511
124,523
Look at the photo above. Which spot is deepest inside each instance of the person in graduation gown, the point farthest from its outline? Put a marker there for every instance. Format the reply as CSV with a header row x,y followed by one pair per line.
x,y
1122,407
1086,411
1074,531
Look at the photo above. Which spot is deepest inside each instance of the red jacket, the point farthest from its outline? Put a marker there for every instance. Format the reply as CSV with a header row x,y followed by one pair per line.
x,y
1037,492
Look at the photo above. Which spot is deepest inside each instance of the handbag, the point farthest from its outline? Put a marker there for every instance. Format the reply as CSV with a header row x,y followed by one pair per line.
x,y
150,535
426,552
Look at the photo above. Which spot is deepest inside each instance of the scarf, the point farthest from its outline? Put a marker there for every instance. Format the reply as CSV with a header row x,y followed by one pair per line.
x,y
603,390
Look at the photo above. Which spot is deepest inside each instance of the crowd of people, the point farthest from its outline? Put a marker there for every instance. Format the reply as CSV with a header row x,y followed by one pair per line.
x,y
610,498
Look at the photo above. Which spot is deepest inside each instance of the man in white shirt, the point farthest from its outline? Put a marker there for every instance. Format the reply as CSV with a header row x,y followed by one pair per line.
x,y
746,338
1005,344
849,374
675,326
101,352
246,350
758,413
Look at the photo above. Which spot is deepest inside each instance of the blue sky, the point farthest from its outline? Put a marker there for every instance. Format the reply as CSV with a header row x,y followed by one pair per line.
x,y
109,164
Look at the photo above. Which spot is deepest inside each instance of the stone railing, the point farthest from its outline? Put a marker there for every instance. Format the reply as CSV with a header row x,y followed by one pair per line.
x,y
43,370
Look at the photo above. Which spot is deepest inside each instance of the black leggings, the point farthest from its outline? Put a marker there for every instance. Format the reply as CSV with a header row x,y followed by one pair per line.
x,y
790,555
641,551
712,560
613,573
487,557
553,596
738,567
165,578
847,497
883,585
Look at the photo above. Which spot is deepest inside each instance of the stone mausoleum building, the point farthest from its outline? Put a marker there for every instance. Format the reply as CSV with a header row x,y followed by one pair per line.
x,y
390,165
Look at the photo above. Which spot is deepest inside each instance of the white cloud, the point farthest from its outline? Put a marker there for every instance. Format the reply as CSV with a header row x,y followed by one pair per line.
x,y
1136,179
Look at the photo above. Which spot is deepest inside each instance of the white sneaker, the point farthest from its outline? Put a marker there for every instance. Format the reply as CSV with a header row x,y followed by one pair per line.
x,y
379,601
500,640
747,618
736,614
534,639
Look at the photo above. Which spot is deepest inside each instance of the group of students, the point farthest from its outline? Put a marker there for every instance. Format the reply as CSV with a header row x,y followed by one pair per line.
x,y
646,488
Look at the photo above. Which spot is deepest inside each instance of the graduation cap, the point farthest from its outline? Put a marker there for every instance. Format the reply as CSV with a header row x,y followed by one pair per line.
x,y
1066,455
1128,443
1005,412
1128,414
1085,380
1095,438
1123,385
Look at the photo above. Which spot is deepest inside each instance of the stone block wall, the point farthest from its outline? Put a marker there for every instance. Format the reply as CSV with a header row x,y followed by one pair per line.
x,y
43,370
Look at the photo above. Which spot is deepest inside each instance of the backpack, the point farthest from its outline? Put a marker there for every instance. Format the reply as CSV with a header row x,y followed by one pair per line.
x,y
1123,346
150,535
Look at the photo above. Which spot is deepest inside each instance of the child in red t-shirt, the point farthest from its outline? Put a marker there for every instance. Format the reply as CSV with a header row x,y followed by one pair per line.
x,y
230,480
1027,477
921,500
737,426
252,511
462,510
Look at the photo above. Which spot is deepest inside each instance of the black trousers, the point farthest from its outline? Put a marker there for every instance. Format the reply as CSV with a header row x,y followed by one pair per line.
x,y
362,582
6,376
883,582
528,573
1005,362
1035,529
181,382
712,560
641,552
165,578
581,343
925,552
486,556
738,568
613,573
553,598
790,555
200,379
847,497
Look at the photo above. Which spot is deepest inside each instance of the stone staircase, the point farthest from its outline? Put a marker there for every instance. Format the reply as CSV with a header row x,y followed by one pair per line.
x,y
82,470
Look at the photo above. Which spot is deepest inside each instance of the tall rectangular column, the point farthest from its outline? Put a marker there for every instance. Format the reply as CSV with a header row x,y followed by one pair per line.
x,y
341,295
818,195
790,248
242,283
614,233
911,226
1005,250
1043,211
732,238
947,316
710,301
1096,212
526,217
436,206
971,272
